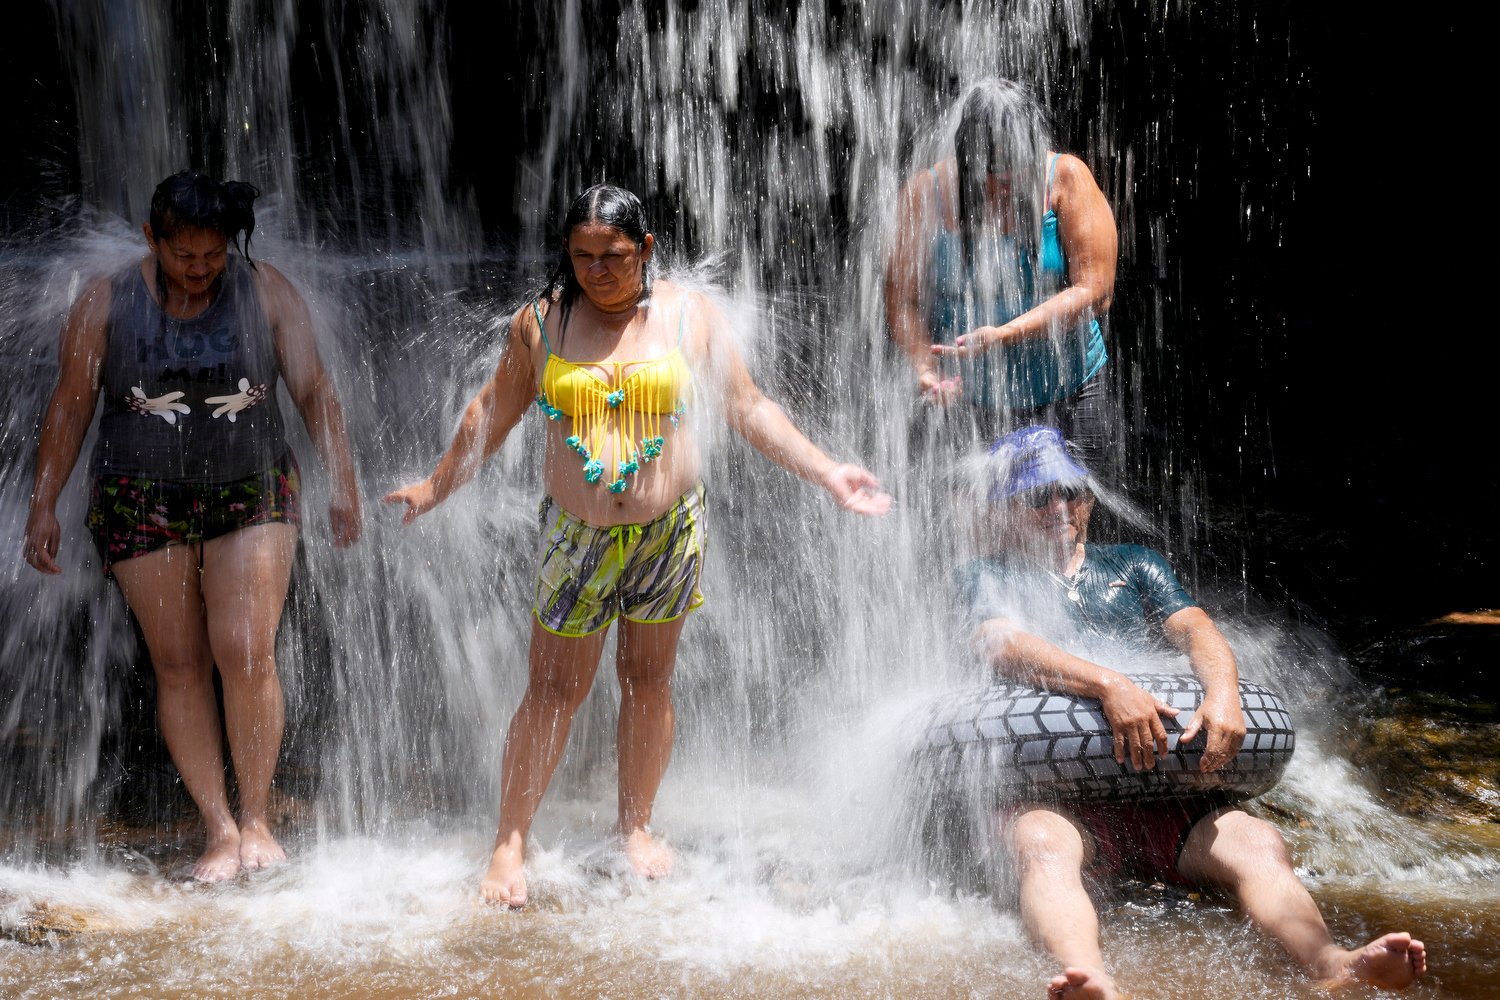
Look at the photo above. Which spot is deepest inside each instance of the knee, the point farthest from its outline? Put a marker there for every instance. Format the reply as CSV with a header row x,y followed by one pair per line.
x,y
645,684
1246,842
556,692
246,660
181,669
1041,839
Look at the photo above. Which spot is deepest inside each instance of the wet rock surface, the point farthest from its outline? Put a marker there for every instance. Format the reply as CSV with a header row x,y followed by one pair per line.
x,y
1433,739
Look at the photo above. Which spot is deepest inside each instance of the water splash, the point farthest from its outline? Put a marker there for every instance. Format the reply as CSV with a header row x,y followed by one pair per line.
x,y
775,142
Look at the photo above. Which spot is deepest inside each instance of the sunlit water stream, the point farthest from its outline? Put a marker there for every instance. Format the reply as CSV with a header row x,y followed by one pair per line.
x,y
802,870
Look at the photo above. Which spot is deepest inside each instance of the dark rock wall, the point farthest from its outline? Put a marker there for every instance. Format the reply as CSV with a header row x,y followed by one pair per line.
x,y
1304,327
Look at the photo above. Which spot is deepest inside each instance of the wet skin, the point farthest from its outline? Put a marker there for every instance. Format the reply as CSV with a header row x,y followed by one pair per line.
x,y
612,323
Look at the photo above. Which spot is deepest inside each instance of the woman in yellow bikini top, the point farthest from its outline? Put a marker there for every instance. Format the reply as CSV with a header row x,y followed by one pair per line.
x,y
594,571
627,406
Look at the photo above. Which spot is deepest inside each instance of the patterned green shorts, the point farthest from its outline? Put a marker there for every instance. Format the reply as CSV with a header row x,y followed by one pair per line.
x,y
132,515
588,576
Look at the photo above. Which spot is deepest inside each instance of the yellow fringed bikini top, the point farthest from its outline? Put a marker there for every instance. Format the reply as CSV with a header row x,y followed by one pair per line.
x,y
629,405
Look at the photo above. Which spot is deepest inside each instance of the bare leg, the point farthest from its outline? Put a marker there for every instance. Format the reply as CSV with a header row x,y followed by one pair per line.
x,y
646,657
161,588
1049,854
561,670
245,578
1239,852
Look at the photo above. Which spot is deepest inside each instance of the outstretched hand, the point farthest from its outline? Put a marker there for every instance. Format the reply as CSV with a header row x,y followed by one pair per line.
x,y
418,497
940,391
971,344
856,489
1220,715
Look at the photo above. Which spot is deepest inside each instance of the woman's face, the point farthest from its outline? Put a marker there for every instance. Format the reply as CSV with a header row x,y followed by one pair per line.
x,y
998,189
191,259
609,266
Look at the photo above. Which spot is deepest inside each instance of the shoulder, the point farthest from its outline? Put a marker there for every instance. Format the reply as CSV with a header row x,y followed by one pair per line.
x,y
266,276
1153,573
1071,177
278,296
700,316
1129,555
93,302
525,329
919,193
87,325
1069,169
675,298
920,183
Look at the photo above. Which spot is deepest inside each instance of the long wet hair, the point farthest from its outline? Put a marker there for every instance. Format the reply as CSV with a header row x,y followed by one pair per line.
x,y
190,200
1001,130
612,206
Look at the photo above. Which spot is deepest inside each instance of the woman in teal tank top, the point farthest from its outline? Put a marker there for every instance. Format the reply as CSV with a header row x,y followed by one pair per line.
x,y
1002,267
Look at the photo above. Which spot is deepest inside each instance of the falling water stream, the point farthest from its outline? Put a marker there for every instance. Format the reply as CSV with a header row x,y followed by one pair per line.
x,y
769,146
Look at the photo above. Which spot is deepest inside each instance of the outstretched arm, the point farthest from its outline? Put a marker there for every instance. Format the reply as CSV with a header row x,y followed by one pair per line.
x,y
81,352
486,423
1209,654
768,429
915,222
313,394
1134,714
1086,226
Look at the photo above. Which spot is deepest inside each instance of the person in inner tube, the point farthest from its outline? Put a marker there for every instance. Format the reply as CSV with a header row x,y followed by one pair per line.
x,y
1040,568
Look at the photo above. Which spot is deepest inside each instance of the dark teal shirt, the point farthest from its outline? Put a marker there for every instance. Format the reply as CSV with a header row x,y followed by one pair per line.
x,y
1123,592
222,352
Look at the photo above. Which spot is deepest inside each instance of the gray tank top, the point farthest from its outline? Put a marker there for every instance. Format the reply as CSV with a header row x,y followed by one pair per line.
x,y
191,400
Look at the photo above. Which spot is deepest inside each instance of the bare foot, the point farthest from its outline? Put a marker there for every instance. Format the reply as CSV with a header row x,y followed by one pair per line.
x,y
1082,984
505,882
220,860
258,849
647,858
1392,962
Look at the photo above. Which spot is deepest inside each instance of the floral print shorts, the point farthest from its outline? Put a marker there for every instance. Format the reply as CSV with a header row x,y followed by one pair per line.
x,y
131,515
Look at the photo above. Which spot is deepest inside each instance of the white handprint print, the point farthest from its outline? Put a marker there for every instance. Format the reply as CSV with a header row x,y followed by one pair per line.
x,y
247,397
165,406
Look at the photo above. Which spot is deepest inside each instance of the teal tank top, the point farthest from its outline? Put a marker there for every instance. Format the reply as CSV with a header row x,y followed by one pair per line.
x,y
1031,373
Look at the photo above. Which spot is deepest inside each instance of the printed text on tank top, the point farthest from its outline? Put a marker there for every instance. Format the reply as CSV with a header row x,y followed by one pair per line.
x,y
165,348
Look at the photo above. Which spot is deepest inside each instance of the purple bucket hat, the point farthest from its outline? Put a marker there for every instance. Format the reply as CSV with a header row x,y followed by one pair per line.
x,y
1032,456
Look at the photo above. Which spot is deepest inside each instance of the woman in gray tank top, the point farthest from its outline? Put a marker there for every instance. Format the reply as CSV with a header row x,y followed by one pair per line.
x,y
194,504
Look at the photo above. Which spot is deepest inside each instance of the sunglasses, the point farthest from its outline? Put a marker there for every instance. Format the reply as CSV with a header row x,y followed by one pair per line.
x,y
1041,496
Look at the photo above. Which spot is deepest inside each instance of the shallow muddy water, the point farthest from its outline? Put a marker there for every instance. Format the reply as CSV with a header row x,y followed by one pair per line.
x,y
775,914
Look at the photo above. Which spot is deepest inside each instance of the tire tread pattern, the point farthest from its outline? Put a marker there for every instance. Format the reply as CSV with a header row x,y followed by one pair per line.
x,y
1028,741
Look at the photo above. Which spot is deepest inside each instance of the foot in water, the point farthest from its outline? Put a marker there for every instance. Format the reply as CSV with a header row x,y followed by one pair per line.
x,y
504,883
220,860
1392,962
1082,984
258,849
647,857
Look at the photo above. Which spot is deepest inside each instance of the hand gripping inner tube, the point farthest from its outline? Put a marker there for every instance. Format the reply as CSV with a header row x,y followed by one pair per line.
x,y
1021,742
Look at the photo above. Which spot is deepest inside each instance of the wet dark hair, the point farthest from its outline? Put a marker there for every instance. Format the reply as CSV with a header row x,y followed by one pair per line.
x,y
1002,130
189,199
614,207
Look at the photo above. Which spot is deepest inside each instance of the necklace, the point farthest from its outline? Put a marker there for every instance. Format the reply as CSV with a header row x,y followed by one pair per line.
x,y
1068,583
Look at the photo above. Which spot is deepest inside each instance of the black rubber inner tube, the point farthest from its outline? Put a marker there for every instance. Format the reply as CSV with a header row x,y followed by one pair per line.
x,y
1018,742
